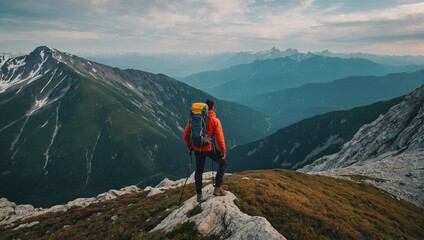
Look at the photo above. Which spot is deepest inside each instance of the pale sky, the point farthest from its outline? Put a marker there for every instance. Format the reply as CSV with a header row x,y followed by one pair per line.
x,y
391,27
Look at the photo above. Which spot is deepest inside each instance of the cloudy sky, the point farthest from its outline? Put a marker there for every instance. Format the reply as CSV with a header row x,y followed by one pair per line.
x,y
109,26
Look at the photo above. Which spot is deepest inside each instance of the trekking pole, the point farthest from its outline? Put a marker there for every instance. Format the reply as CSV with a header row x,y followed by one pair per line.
x,y
188,175
213,175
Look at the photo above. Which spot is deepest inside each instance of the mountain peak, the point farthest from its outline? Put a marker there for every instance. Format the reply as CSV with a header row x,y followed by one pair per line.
x,y
44,48
44,51
16,71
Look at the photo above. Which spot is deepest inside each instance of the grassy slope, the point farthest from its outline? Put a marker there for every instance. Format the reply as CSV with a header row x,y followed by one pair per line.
x,y
298,205
302,206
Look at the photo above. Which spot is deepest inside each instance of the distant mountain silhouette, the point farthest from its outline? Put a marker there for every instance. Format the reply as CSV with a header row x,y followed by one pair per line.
x,y
291,105
270,75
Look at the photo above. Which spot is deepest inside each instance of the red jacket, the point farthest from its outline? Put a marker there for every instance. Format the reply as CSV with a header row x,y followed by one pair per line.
x,y
214,129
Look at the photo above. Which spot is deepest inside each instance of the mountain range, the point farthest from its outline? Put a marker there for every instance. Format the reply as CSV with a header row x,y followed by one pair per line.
x,y
71,127
171,64
292,105
301,143
180,65
271,75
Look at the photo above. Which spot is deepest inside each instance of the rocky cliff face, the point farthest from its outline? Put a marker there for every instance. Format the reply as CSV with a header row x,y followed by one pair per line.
x,y
390,148
400,130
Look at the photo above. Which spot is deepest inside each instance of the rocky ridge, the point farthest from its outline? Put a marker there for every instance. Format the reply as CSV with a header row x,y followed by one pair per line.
x,y
391,148
10,212
401,175
220,216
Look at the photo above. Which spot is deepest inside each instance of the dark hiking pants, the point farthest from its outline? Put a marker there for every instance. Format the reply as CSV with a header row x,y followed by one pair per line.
x,y
215,155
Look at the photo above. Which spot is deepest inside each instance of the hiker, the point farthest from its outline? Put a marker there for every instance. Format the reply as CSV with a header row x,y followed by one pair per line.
x,y
214,129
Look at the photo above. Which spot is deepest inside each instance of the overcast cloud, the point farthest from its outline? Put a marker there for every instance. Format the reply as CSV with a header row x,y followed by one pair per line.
x,y
107,26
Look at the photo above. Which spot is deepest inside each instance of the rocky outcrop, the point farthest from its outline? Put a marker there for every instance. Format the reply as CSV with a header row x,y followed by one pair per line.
x,y
401,175
220,216
390,148
400,130
10,212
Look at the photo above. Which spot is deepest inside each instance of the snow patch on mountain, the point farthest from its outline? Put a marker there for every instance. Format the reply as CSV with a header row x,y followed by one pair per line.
x,y
37,105
16,63
3,60
90,159
49,81
296,145
55,131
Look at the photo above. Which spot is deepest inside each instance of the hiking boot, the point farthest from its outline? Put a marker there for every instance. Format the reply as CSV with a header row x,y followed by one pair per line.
x,y
199,197
219,191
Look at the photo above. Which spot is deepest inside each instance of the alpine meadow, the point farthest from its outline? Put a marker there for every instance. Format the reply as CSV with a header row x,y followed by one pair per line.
x,y
236,119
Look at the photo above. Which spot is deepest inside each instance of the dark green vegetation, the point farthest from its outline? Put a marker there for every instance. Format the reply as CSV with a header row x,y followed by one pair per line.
x,y
301,143
282,73
298,205
291,105
302,206
196,210
84,128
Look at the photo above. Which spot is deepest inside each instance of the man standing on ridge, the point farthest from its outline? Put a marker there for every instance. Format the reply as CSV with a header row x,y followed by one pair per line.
x,y
214,129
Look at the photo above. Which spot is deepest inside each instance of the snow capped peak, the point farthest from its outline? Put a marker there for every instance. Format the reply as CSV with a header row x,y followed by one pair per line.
x,y
51,49
21,70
